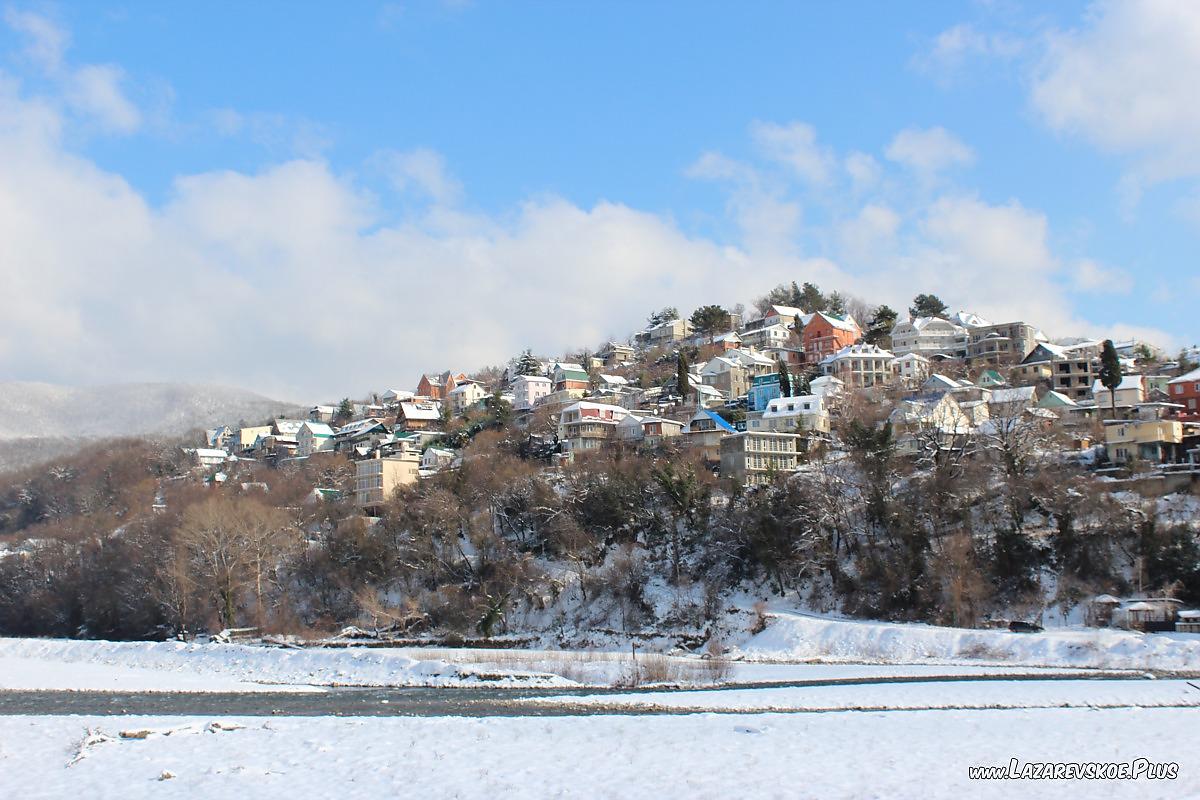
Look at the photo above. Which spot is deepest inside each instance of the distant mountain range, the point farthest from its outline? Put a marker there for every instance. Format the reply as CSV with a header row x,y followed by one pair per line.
x,y
44,419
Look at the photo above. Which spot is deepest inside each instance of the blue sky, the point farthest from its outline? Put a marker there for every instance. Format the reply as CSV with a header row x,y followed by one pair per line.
x,y
550,172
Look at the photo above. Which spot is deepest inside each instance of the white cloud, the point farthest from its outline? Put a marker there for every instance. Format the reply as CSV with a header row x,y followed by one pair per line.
x,y
863,170
1089,276
795,146
95,91
423,170
46,42
928,150
1125,80
955,46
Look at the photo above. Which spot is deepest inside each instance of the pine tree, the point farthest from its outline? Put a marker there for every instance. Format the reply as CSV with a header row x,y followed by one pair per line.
x,y
345,411
880,325
1110,372
681,376
785,380
528,364
927,305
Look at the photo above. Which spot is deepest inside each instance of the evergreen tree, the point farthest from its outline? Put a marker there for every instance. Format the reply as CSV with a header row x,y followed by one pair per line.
x,y
811,299
800,385
1110,372
785,380
663,315
927,305
528,365
345,411
836,304
710,320
879,328
681,377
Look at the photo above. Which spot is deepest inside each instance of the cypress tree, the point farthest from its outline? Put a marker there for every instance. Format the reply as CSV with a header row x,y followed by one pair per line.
x,y
785,380
1110,372
681,376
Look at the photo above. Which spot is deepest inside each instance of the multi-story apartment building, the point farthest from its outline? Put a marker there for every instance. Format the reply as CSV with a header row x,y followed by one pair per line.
x,y
753,457
1006,343
931,337
791,415
861,365
376,478
825,334
1067,369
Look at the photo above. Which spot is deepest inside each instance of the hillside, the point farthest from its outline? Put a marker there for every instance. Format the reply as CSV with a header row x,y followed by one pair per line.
x,y
40,419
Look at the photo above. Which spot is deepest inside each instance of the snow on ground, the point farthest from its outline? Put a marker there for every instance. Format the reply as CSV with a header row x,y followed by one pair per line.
x,y
179,666
800,637
933,695
895,754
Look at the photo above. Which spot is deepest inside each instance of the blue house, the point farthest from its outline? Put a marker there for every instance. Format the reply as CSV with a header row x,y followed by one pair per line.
x,y
763,389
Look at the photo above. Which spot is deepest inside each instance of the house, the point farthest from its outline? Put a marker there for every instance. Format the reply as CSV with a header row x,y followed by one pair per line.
x,y
665,333
437,386
615,355
1158,441
922,424
727,375
207,457
860,365
786,316
466,396
245,439
1056,401
1185,390
792,415
775,335
415,415
931,337
322,413
826,334
361,437
314,437
912,368
393,396
1068,369
586,426
1129,393
527,390
646,430
1004,344
287,427
990,379
703,395
375,479
612,382
1012,401
436,458
756,363
704,432
728,341
566,376
220,438
763,389
754,458
793,357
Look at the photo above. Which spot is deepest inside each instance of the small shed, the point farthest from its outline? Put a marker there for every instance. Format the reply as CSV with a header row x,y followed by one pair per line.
x,y
1100,611
1152,614
1188,621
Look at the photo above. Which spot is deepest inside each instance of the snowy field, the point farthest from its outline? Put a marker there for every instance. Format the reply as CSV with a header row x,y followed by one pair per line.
x,y
895,754
982,695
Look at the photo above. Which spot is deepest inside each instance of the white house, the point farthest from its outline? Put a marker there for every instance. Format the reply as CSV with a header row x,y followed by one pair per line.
x,y
527,390
466,396
775,335
788,414
860,365
913,368
931,337
435,458
314,437
1130,392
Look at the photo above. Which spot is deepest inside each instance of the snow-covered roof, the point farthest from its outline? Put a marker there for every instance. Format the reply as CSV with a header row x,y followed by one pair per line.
x,y
1106,598
206,452
1127,382
420,410
969,320
1187,377
1016,394
319,428
1058,398
359,426
784,311
846,323
614,380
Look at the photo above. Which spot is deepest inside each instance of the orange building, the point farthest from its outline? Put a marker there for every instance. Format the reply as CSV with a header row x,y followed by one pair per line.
x,y
825,334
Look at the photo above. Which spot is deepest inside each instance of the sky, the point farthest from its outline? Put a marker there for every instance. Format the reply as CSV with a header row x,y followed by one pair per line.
x,y
319,200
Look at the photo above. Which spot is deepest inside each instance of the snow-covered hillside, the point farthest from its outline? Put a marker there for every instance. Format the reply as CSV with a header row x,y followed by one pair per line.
x,y
41,410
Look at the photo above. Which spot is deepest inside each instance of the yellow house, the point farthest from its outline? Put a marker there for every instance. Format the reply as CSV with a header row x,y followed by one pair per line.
x,y
246,437
1154,440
